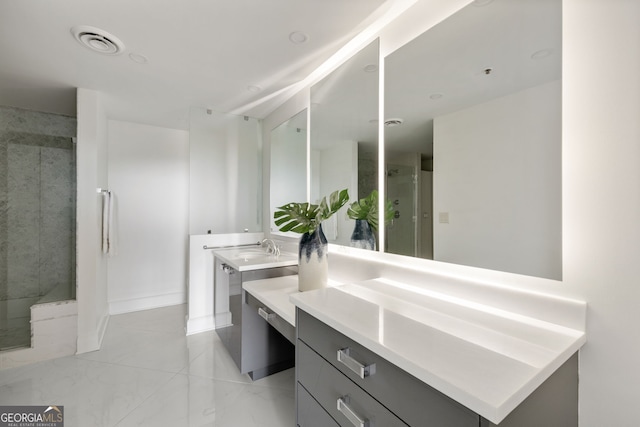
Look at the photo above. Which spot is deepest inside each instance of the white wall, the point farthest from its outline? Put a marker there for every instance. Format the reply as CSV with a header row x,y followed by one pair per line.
x,y
149,176
601,200
497,175
91,166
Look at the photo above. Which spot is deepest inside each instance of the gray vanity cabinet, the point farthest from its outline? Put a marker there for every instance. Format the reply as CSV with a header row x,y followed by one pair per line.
x,y
353,386
255,347
311,412
401,398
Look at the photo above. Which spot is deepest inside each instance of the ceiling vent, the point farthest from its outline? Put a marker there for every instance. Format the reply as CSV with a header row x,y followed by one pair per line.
x,y
393,122
97,40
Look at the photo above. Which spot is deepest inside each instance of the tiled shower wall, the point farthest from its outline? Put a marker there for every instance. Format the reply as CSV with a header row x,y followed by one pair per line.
x,y
37,203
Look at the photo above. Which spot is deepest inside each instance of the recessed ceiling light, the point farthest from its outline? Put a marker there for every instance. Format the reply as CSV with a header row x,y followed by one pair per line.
x,y
97,40
254,88
371,68
298,37
136,57
541,54
393,122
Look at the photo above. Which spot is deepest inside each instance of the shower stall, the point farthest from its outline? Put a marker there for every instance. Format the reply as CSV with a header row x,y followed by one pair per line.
x,y
37,217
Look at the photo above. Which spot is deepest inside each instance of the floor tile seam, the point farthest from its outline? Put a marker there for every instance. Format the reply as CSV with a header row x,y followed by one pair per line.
x,y
277,387
124,365
146,399
180,333
222,380
227,380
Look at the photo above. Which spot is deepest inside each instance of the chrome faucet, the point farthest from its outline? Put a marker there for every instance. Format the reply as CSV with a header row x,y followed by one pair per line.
x,y
272,248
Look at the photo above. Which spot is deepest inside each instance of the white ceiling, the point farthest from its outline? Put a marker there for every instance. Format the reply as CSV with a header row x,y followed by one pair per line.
x,y
201,53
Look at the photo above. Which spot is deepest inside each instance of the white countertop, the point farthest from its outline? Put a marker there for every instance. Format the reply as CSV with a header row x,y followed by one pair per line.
x,y
274,293
246,258
486,358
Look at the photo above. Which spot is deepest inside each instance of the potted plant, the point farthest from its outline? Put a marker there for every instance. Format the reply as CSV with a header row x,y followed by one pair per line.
x,y
306,218
365,212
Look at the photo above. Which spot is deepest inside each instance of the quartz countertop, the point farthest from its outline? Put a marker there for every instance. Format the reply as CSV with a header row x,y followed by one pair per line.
x,y
486,358
243,258
274,293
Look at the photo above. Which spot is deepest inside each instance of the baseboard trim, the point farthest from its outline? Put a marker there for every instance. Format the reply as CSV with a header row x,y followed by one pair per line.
x,y
200,324
146,303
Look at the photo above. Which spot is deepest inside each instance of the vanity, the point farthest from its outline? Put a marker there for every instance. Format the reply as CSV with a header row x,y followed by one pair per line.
x,y
420,349
257,349
383,353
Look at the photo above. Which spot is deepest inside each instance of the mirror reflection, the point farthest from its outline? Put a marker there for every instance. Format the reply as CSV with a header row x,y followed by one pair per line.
x,y
473,139
288,170
344,136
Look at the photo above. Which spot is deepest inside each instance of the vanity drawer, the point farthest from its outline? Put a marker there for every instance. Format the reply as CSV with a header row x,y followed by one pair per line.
x,y
309,412
339,396
411,399
280,325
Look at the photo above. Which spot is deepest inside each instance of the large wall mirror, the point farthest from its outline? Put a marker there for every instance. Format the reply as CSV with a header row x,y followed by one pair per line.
x,y
344,136
473,139
288,172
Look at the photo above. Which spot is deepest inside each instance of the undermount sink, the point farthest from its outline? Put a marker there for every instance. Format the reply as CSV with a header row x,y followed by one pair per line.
x,y
253,254
244,258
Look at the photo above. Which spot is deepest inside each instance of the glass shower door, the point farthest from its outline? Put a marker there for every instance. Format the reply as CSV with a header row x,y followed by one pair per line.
x,y
37,218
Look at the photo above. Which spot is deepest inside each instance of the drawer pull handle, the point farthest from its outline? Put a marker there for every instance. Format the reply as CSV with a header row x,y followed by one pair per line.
x,y
361,370
266,316
353,418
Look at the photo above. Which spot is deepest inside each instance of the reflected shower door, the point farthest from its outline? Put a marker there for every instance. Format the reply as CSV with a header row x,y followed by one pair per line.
x,y
401,190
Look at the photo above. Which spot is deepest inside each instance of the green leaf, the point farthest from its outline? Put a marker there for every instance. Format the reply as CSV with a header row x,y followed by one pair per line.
x,y
296,217
367,209
305,217
337,199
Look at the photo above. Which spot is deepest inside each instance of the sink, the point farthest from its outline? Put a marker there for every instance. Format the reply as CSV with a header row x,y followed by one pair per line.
x,y
252,254
243,258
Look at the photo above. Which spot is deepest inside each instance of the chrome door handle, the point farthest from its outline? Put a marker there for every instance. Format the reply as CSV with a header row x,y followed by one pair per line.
x,y
358,368
349,413
266,316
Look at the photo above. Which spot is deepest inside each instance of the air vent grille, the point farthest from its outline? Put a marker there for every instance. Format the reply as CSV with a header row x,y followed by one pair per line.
x,y
393,122
97,40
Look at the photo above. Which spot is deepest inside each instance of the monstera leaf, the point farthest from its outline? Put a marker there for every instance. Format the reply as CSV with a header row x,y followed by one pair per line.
x,y
296,217
337,199
306,217
367,209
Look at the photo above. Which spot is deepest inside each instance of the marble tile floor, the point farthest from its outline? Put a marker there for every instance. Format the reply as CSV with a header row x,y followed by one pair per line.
x,y
148,373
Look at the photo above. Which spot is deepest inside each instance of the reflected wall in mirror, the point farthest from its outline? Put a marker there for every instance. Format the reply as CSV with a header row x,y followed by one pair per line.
x,y
288,172
225,173
344,136
473,161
